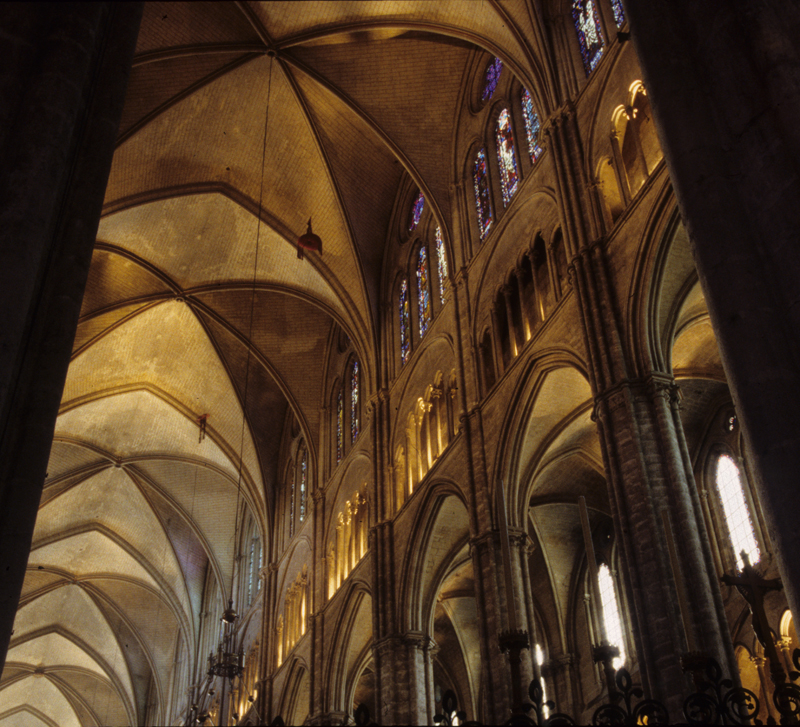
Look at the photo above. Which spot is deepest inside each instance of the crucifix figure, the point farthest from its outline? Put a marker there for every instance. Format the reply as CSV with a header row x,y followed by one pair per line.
x,y
753,589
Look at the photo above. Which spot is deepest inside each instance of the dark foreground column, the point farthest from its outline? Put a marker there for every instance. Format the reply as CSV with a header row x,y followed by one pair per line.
x,y
724,83
62,85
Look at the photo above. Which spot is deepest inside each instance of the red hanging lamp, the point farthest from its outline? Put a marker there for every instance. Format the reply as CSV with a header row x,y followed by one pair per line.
x,y
308,241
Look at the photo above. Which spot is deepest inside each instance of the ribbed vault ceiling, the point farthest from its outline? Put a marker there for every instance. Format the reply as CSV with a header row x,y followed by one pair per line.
x,y
136,509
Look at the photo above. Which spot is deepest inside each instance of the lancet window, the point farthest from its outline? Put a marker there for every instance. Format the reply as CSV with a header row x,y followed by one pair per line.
x,y
349,541
737,513
339,425
619,12
290,478
506,160
354,403
611,613
441,260
416,212
405,323
303,483
532,125
586,17
251,563
483,203
423,292
491,78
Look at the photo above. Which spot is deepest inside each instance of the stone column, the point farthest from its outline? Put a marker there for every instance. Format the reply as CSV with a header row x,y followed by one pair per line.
x,y
64,76
726,108
766,688
647,465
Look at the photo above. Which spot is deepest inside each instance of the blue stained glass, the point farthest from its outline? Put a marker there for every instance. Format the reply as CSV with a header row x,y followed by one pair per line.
x,y
354,403
441,258
405,328
493,71
483,204
303,474
423,292
509,176
532,125
416,211
339,427
619,12
590,37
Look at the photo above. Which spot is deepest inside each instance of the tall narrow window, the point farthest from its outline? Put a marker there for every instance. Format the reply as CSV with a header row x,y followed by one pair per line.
x,y
339,426
491,77
590,36
303,482
540,662
423,292
483,204
737,514
405,324
611,618
251,563
441,259
619,12
532,125
354,403
509,177
291,499
416,211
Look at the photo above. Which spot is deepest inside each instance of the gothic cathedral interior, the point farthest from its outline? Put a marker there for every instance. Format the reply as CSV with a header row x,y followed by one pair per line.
x,y
399,354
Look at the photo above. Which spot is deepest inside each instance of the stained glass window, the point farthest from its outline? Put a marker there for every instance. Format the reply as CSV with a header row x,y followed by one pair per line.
x,y
303,483
493,71
354,403
480,179
423,292
532,125
611,618
737,514
416,211
619,12
509,176
405,325
441,259
339,426
590,37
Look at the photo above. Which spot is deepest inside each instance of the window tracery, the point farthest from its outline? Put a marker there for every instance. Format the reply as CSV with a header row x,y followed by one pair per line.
x,y
586,17
619,12
532,125
354,403
506,160
405,323
423,292
291,479
441,260
339,425
416,211
483,204
491,78
303,483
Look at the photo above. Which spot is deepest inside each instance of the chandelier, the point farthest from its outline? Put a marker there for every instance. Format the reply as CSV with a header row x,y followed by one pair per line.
x,y
227,663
